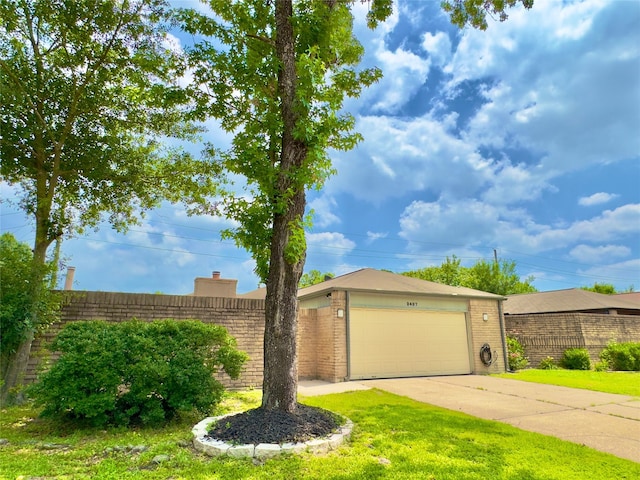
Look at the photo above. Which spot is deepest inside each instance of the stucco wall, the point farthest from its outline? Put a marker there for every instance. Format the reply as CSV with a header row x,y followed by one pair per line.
x,y
551,334
243,318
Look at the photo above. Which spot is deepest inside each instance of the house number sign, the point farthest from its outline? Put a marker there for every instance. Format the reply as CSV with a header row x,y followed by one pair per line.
x,y
412,304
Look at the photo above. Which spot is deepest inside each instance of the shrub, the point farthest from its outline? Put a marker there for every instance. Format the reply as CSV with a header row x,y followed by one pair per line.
x,y
576,359
622,356
136,372
517,358
547,363
601,366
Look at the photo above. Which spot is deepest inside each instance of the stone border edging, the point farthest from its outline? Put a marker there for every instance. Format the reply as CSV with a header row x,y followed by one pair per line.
x,y
217,448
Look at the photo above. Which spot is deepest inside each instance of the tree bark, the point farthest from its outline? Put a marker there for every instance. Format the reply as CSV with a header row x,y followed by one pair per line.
x,y
13,372
280,381
14,366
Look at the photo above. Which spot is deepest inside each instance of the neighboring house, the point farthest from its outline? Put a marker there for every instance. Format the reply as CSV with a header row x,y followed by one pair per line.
x,y
548,323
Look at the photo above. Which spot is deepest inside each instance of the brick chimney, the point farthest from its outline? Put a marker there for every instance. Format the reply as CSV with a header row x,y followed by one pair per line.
x,y
68,282
215,286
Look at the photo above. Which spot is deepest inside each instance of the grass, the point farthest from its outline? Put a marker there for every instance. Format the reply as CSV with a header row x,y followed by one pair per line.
x,y
394,438
623,383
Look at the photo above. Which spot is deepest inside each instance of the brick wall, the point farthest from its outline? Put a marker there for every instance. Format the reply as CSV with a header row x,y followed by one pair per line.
x,y
307,343
551,334
322,345
486,332
243,318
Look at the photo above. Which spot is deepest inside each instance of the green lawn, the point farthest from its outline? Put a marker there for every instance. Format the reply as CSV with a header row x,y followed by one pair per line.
x,y
624,383
394,438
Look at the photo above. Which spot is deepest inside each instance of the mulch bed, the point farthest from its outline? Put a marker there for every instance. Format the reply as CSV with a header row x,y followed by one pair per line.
x,y
274,426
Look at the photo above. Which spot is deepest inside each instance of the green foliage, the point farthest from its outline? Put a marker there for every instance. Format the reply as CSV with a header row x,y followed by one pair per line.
x,y
576,359
314,277
20,312
418,440
499,278
601,366
136,372
622,356
87,88
474,12
449,273
604,288
547,363
240,84
516,354
620,383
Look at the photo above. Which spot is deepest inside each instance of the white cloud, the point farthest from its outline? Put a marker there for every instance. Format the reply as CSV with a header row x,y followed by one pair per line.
x,y
611,225
597,199
404,74
569,97
323,207
408,156
373,236
332,242
600,254
467,222
624,274
515,183
438,46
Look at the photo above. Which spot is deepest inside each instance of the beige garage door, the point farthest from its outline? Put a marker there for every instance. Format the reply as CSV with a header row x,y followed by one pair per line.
x,y
387,343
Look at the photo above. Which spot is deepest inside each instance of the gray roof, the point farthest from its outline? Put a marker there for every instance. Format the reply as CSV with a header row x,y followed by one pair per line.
x,y
258,294
371,280
572,300
630,296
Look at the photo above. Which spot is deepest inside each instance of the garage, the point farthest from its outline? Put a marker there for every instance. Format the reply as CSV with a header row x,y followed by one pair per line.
x,y
377,324
406,343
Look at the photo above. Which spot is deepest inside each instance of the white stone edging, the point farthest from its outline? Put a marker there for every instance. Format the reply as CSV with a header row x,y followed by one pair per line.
x,y
217,448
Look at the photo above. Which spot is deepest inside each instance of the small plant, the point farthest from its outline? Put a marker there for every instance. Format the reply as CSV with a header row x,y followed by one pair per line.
x,y
622,356
136,372
576,359
601,366
547,363
517,358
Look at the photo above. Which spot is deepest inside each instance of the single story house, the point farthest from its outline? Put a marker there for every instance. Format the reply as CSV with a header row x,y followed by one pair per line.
x,y
376,324
548,323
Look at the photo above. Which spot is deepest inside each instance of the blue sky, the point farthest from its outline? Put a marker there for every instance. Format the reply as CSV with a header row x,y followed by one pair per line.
x,y
524,138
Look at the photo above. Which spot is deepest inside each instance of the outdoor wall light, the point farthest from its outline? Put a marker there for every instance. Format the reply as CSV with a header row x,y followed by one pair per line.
x,y
485,317
340,313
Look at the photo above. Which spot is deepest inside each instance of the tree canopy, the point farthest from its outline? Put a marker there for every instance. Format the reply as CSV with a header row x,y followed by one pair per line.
x,y
494,277
88,89
314,277
88,92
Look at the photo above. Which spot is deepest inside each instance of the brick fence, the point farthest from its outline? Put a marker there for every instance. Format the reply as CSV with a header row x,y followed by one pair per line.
x,y
243,318
551,334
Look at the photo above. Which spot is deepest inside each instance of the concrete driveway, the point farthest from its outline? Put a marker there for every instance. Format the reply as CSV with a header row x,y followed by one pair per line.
x,y
603,421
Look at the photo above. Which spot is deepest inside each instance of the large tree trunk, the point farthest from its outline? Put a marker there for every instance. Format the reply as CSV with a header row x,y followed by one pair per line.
x,y
14,369
281,308
14,365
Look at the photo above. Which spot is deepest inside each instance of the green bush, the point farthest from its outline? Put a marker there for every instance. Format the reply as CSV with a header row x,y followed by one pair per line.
x,y
517,358
136,372
576,359
601,366
622,356
547,363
